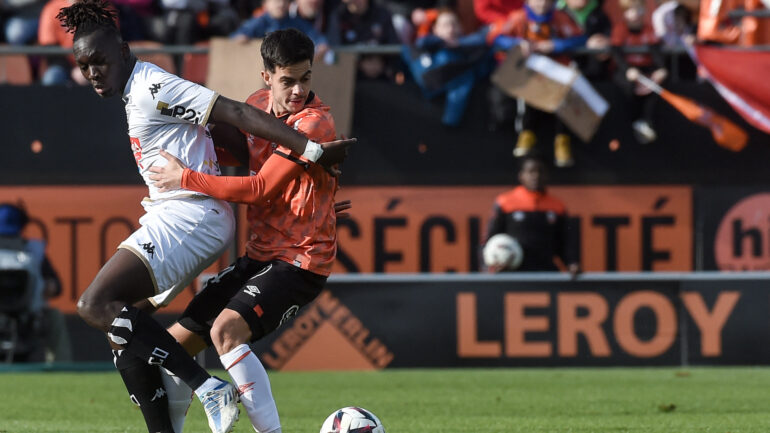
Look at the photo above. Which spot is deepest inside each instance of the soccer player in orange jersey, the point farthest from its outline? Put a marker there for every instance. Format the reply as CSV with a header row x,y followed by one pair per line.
x,y
293,240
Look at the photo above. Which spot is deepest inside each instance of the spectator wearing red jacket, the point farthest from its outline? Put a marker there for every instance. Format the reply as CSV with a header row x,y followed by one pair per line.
x,y
537,28
492,11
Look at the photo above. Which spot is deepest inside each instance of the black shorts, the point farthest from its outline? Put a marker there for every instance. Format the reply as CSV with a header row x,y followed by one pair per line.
x,y
265,294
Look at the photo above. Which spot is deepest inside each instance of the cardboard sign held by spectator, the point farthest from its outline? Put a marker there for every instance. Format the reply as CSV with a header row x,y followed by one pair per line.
x,y
234,72
550,86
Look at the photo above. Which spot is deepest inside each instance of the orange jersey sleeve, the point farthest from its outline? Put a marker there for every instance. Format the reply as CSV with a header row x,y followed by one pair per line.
x,y
270,180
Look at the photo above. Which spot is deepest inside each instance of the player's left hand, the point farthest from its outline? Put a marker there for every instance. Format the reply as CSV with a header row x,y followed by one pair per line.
x,y
334,152
168,177
340,207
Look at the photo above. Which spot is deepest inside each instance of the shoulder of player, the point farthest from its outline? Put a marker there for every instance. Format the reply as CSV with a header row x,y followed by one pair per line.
x,y
151,79
316,122
259,99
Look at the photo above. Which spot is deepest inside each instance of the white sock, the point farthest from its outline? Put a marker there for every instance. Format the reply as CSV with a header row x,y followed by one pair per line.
x,y
254,386
179,398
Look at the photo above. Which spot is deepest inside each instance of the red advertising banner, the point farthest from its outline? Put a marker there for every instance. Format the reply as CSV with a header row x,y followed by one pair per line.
x,y
391,229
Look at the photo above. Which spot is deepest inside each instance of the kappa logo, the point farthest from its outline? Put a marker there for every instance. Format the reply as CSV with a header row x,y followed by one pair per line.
x,y
154,89
150,248
325,326
179,111
159,393
252,291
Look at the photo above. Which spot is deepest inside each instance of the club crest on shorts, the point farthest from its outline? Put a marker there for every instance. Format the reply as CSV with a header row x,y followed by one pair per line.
x,y
288,314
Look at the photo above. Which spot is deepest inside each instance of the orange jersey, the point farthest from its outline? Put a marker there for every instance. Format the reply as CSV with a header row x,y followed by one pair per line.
x,y
299,225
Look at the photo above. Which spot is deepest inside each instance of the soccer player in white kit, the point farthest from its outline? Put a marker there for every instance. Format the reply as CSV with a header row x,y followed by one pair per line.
x,y
182,232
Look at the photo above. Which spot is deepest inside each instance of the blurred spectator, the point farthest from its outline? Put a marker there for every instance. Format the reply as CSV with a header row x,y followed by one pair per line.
x,y
275,16
311,11
20,21
596,26
537,28
445,61
492,11
137,18
755,30
673,23
57,70
713,23
423,21
363,22
636,32
537,220
402,13
39,319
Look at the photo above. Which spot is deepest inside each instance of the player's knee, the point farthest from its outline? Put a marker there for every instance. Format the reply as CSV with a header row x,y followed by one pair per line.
x,y
98,315
229,331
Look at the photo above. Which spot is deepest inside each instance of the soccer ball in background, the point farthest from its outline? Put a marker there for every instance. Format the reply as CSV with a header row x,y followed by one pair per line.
x,y
502,252
352,420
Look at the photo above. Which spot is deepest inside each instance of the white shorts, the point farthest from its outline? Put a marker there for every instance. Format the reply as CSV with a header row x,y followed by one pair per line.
x,y
178,239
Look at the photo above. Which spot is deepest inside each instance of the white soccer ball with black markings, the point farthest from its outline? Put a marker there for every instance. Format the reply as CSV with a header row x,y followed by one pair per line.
x,y
502,252
352,420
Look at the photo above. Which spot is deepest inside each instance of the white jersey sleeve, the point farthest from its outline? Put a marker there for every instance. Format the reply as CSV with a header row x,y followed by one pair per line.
x,y
167,98
169,113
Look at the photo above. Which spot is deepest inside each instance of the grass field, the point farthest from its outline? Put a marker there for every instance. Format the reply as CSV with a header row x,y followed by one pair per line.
x,y
410,401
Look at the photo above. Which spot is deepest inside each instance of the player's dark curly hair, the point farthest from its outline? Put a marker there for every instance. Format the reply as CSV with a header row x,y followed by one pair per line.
x,y
87,16
286,47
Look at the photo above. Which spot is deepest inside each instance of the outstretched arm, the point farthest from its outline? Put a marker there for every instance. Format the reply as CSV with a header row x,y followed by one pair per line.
x,y
265,125
269,181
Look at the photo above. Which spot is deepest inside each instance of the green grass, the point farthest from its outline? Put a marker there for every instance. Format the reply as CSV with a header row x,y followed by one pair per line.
x,y
418,401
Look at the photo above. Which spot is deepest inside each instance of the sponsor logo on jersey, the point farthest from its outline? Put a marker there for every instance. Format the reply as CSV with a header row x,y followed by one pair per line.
x,y
179,111
154,89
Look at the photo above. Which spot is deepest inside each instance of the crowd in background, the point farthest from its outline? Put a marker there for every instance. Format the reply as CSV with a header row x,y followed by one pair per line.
x,y
448,45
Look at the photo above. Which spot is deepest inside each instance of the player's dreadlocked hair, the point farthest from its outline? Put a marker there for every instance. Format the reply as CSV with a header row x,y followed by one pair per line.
x,y
86,16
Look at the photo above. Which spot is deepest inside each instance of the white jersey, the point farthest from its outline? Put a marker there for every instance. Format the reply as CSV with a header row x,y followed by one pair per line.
x,y
170,113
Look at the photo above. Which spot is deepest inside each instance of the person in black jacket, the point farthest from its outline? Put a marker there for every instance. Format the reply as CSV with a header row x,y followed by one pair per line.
x,y
536,219
364,22
596,26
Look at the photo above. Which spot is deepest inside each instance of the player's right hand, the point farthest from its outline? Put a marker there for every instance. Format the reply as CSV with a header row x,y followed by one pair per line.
x,y
335,152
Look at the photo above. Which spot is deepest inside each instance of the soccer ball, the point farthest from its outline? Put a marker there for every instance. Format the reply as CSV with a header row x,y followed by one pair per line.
x,y
352,420
502,251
